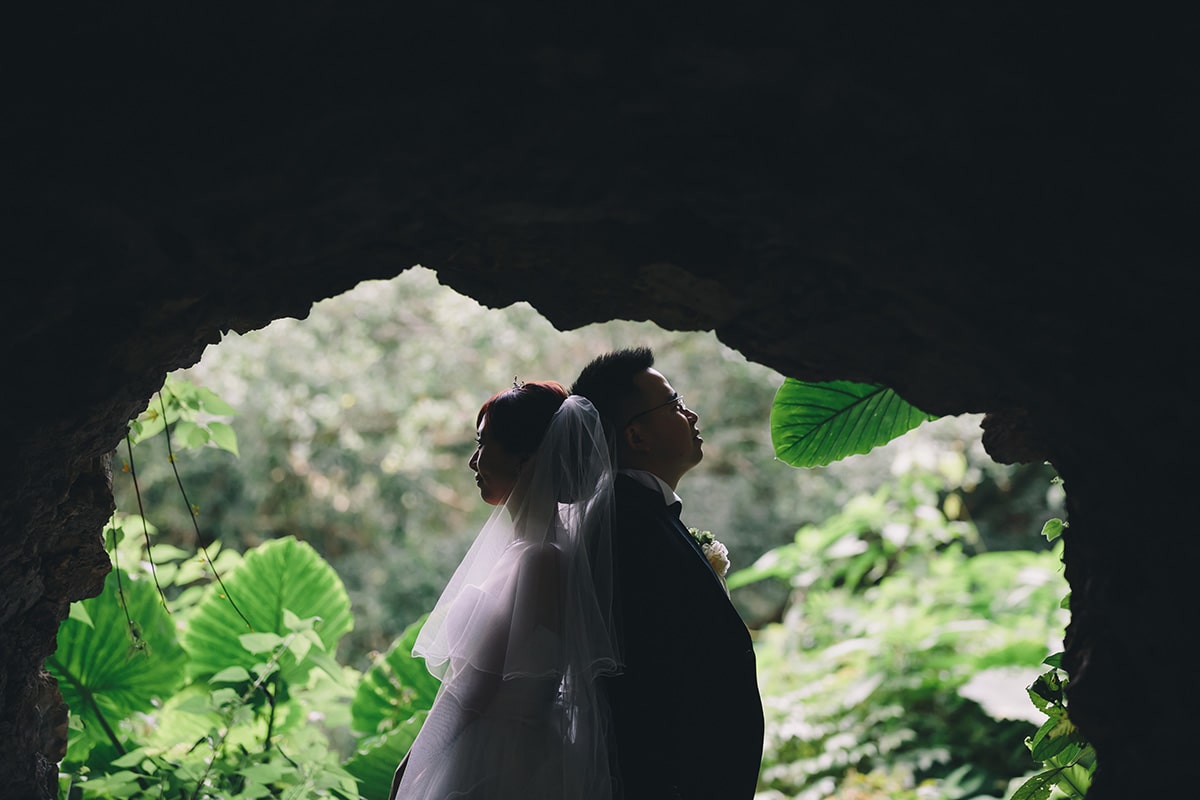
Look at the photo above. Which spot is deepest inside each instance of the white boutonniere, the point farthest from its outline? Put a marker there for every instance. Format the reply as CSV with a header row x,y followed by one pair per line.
x,y
716,553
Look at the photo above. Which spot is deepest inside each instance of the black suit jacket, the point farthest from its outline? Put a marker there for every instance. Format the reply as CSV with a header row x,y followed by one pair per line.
x,y
687,715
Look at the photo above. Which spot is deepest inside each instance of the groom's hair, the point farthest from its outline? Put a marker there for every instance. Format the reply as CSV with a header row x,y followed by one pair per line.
x,y
608,382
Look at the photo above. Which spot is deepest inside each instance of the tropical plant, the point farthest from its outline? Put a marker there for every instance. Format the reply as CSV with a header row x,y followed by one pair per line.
x,y
1067,759
163,707
211,674
362,421
388,710
891,576
882,667
203,672
202,704
117,656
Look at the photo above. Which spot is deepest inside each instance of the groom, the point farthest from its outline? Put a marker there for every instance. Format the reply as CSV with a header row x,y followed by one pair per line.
x,y
687,715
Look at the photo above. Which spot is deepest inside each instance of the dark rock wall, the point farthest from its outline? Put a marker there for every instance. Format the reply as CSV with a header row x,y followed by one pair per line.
x,y
990,209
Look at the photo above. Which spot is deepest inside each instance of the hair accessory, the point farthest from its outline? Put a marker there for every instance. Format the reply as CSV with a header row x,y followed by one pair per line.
x,y
517,384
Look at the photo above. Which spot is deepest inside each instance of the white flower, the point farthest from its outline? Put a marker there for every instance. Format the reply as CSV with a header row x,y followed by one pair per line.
x,y
718,556
716,553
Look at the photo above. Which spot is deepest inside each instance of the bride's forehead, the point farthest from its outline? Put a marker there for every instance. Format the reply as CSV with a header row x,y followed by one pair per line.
x,y
487,428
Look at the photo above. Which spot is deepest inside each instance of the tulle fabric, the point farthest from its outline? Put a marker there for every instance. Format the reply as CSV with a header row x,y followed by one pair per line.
x,y
522,634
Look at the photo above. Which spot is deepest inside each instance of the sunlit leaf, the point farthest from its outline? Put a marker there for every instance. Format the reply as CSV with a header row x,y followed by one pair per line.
x,y
1039,786
264,773
223,436
815,424
260,642
115,785
280,574
131,759
388,710
114,534
190,435
149,425
212,404
231,675
79,613
375,765
395,688
1053,529
162,553
101,671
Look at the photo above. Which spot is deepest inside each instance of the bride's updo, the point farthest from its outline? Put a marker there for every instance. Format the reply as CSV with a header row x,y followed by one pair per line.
x,y
517,417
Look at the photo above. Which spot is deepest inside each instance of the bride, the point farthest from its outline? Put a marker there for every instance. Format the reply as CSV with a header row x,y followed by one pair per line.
x,y
523,631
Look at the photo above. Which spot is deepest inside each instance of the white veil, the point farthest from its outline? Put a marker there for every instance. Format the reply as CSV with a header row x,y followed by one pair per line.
x,y
522,633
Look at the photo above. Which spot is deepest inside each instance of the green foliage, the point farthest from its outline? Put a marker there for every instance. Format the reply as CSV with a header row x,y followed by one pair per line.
x,y
814,424
356,424
883,579
388,711
192,675
862,545
902,666
237,721
190,410
179,575
395,688
288,597
218,697
117,655
889,674
1067,759
873,534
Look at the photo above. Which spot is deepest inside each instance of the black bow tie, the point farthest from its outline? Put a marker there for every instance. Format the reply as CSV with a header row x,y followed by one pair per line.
x,y
676,508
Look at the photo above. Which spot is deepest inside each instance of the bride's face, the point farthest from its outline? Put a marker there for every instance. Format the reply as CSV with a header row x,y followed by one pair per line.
x,y
496,469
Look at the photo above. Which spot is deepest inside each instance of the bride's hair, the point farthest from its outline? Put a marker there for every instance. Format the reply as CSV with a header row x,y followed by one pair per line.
x,y
517,417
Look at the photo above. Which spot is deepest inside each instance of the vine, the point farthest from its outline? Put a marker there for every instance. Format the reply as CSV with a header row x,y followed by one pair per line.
x,y
193,511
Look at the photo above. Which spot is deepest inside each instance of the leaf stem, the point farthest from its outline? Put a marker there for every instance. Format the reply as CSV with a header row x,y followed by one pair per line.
x,y
192,514
90,700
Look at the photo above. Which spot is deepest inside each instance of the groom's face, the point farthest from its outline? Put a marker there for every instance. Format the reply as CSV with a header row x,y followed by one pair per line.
x,y
662,431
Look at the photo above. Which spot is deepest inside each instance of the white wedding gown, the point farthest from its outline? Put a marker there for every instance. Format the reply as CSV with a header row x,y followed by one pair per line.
x,y
521,635
487,734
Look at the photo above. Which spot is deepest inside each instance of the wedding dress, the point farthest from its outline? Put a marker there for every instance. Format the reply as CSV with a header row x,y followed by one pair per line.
x,y
522,634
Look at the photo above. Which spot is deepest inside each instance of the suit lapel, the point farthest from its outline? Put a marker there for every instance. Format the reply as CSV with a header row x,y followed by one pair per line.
x,y
655,505
683,531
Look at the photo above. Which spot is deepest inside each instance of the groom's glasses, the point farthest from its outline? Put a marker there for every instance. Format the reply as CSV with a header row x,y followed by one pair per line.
x,y
676,400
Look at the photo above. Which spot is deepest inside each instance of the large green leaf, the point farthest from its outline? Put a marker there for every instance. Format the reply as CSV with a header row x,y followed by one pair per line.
x,y
395,688
388,710
283,575
815,424
104,673
374,766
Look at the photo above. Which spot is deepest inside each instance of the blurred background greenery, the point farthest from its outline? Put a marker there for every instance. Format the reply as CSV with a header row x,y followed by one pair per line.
x,y
901,601
355,426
